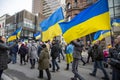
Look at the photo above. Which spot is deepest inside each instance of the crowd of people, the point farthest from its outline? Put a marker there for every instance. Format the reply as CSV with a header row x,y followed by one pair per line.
x,y
48,54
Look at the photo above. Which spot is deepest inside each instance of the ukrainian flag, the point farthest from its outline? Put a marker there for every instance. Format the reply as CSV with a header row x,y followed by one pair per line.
x,y
94,18
37,35
50,27
116,22
15,35
101,35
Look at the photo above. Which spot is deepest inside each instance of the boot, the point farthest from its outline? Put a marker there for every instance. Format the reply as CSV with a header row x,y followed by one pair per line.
x,y
67,68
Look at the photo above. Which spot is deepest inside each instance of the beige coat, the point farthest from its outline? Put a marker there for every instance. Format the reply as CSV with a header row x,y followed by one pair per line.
x,y
43,59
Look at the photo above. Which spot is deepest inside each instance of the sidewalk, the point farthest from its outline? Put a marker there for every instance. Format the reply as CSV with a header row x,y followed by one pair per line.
x,y
5,77
15,71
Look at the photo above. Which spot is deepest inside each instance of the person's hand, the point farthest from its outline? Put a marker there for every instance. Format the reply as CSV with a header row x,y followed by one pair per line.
x,y
17,39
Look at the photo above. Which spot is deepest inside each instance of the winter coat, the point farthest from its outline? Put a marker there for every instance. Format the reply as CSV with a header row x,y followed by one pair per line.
x,y
22,50
44,59
78,47
4,55
98,52
55,51
33,52
14,50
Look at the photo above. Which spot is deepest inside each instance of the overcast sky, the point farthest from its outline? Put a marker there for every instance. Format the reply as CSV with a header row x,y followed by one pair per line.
x,y
13,6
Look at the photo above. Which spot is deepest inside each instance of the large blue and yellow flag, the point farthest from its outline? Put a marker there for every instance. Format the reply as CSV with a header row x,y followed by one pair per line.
x,y
116,22
37,35
101,35
15,35
92,19
50,27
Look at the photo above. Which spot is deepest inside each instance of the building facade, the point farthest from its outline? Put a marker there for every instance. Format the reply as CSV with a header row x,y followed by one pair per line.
x,y
73,7
37,6
114,8
24,19
46,7
2,24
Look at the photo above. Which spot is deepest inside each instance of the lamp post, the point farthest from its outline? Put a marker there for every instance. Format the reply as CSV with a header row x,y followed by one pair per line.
x,y
113,12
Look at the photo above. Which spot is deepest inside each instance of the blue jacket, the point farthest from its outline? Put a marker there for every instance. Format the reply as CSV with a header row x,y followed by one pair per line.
x,y
14,49
69,49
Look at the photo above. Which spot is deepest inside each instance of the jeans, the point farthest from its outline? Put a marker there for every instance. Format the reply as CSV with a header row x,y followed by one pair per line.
x,y
47,72
22,58
54,63
1,71
115,74
82,60
61,53
32,62
90,55
75,69
99,64
14,58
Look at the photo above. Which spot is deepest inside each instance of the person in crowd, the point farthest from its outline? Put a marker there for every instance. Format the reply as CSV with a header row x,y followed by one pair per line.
x,y
33,54
98,60
48,45
29,47
90,52
115,59
54,55
69,55
79,41
61,52
22,51
43,63
78,47
39,48
4,54
13,53
106,55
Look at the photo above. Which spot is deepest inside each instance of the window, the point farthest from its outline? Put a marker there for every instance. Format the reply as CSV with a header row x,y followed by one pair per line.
x,y
68,18
117,2
3,25
75,0
75,4
69,6
117,11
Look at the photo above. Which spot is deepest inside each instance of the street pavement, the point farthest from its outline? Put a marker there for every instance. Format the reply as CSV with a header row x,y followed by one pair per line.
x,y
23,72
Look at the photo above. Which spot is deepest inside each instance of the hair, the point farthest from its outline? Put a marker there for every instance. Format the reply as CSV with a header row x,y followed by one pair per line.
x,y
44,46
0,37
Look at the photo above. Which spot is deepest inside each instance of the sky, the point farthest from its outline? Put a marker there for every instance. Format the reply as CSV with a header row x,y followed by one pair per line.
x,y
13,6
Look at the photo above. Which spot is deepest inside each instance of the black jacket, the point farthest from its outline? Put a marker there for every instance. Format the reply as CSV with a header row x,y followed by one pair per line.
x,y
55,51
115,57
4,55
98,52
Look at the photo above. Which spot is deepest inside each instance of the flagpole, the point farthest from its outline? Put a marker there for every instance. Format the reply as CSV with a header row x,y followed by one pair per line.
x,y
90,37
111,36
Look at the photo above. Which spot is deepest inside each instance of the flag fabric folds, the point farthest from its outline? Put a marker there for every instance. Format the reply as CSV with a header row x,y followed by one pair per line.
x,y
37,35
50,27
15,35
101,35
116,22
92,19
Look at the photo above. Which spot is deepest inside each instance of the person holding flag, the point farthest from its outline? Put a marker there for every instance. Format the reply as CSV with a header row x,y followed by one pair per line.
x,y
4,59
